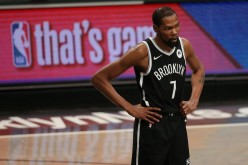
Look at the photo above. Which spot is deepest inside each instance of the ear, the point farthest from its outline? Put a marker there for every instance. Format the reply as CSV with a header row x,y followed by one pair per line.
x,y
155,28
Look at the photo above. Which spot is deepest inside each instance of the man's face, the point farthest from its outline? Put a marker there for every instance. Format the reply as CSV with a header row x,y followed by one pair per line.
x,y
168,30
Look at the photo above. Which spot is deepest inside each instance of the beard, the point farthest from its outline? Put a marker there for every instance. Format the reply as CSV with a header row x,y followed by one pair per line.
x,y
172,42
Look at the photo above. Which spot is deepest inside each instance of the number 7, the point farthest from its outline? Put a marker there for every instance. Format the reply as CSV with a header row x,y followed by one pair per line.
x,y
174,88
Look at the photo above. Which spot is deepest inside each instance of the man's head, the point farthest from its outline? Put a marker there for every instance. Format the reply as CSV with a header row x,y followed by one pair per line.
x,y
160,13
166,25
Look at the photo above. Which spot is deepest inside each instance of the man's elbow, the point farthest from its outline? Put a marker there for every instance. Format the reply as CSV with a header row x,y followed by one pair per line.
x,y
95,80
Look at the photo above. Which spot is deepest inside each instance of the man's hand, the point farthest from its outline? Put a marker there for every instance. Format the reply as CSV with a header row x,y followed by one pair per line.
x,y
148,114
188,106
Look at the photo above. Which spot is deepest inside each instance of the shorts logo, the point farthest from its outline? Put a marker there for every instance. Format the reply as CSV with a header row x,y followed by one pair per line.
x,y
188,161
21,46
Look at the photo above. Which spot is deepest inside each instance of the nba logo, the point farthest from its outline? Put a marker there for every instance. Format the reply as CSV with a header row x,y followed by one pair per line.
x,y
21,45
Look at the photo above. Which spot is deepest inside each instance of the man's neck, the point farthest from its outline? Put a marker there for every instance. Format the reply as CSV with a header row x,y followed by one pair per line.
x,y
162,45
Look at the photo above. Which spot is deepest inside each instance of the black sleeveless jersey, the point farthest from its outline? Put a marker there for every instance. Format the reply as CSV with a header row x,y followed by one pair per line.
x,y
162,85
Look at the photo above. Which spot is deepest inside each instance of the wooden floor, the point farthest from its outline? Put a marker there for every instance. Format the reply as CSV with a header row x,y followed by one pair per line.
x,y
212,143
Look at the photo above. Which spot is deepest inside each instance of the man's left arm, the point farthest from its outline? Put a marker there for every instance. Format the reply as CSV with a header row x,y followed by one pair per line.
x,y
197,79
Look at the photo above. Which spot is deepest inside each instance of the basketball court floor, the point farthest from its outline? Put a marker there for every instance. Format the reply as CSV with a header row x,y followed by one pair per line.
x,y
218,135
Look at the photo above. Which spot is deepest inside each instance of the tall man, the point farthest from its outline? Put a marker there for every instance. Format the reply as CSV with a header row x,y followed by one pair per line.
x,y
160,136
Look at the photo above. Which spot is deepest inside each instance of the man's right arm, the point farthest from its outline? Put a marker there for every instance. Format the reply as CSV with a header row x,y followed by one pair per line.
x,y
102,82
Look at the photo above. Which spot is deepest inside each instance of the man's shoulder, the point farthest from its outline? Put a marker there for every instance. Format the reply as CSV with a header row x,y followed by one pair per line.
x,y
185,42
140,48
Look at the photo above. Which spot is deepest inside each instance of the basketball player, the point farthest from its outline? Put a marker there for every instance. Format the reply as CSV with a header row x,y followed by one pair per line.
x,y
160,136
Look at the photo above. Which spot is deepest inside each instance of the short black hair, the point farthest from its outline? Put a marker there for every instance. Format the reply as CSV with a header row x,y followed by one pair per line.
x,y
160,13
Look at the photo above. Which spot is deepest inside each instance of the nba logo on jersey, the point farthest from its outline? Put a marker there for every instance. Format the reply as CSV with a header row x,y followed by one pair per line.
x,y
21,46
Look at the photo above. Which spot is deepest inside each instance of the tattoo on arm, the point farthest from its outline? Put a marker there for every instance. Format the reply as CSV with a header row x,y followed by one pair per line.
x,y
202,79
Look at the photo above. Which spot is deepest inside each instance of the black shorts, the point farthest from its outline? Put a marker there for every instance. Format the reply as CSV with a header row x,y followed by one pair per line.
x,y
163,143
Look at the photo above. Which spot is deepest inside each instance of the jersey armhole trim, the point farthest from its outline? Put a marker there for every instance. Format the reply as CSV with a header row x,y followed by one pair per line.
x,y
149,60
182,45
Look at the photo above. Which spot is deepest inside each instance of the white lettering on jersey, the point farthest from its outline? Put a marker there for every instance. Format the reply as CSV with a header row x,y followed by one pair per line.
x,y
169,69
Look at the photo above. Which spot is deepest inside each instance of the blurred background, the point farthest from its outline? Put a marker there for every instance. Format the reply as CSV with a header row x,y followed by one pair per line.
x,y
59,45
49,50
